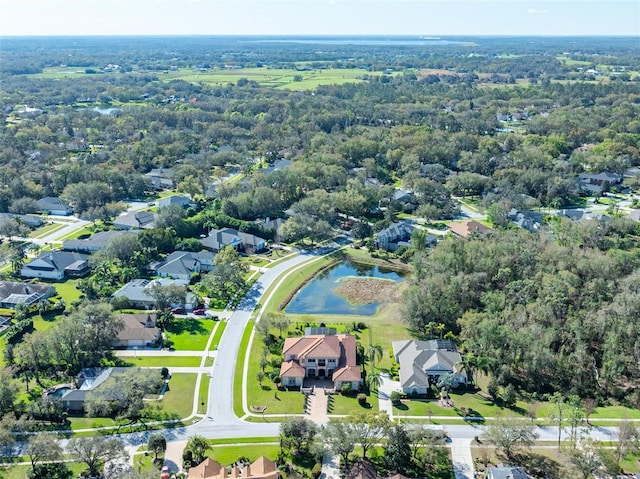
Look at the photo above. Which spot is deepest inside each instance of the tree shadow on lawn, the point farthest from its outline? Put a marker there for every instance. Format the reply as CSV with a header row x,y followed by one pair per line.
x,y
538,465
186,325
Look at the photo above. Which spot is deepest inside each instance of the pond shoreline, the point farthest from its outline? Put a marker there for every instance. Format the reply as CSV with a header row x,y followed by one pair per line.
x,y
313,276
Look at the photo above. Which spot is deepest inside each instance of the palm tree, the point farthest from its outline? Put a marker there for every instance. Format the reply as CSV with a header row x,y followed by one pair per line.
x,y
429,328
374,354
374,379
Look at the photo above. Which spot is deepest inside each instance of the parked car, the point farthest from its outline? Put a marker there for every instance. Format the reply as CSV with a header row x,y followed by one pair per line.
x,y
177,310
199,311
165,472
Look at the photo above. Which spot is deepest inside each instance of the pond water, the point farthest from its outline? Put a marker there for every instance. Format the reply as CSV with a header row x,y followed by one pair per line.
x,y
318,296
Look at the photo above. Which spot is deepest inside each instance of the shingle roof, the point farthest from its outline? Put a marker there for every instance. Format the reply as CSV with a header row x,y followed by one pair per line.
x,y
292,369
467,227
95,242
58,261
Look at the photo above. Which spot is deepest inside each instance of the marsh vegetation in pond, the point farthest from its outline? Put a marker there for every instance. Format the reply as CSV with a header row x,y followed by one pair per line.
x,y
346,288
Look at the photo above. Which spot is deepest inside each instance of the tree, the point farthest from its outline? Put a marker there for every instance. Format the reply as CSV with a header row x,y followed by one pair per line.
x,y
560,413
17,258
157,444
297,433
42,447
51,470
510,433
368,427
122,395
509,396
341,440
585,456
166,295
374,379
397,451
227,276
374,354
8,391
628,440
280,322
95,451
420,437
198,446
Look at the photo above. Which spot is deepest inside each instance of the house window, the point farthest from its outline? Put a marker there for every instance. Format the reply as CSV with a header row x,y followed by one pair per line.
x,y
321,362
312,372
332,361
311,361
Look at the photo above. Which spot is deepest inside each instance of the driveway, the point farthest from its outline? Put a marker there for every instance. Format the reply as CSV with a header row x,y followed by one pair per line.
x,y
386,387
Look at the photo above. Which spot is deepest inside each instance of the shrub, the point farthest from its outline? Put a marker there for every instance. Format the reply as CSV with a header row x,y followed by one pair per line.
x,y
362,399
395,398
316,471
164,373
346,389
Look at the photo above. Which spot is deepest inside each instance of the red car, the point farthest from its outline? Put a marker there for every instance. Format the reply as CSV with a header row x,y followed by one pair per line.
x,y
165,472
199,311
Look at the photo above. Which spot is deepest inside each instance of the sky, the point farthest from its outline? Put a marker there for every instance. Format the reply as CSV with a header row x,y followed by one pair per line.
x,y
319,17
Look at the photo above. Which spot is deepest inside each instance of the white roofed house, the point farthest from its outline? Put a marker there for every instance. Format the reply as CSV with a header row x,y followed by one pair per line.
x,y
138,292
423,362
183,264
54,206
12,294
138,330
135,220
238,240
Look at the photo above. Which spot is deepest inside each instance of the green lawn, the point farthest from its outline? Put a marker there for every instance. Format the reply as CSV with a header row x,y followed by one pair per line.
x,y
178,400
189,334
237,378
45,230
19,471
162,361
220,326
228,454
342,405
67,290
203,394
243,441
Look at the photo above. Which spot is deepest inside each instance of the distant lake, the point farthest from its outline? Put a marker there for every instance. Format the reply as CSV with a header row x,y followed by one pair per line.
x,y
106,111
366,41
318,296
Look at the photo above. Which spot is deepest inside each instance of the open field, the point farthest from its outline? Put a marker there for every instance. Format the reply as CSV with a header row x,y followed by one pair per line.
x,y
228,454
46,230
270,77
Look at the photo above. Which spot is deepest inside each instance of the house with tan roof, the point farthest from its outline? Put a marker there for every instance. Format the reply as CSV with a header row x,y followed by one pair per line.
x,y
138,330
321,356
467,227
261,468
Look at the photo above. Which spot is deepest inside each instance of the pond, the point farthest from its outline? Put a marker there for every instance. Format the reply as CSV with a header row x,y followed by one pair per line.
x,y
318,297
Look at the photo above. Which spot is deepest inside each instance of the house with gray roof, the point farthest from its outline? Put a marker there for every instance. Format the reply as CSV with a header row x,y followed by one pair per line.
x,y
95,242
399,234
56,265
423,362
135,220
598,183
502,471
29,220
88,382
183,264
54,206
179,200
13,293
238,240
138,292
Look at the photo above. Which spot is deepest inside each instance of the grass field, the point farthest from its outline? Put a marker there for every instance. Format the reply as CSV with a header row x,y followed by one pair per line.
x,y
162,361
189,334
270,77
19,471
221,325
228,454
203,394
178,400
45,230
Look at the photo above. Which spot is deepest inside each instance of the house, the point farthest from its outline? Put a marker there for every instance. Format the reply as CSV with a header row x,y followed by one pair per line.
x,y
56,265
179,200
388,238
320,356
28,220
183,264
274,225
261,468
423,362
138,330
138,292
574,214
238,240
135,220
364,469
95,242
506,472
600,183
13,294
160,179
467,228
88,381
54,206
528,220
